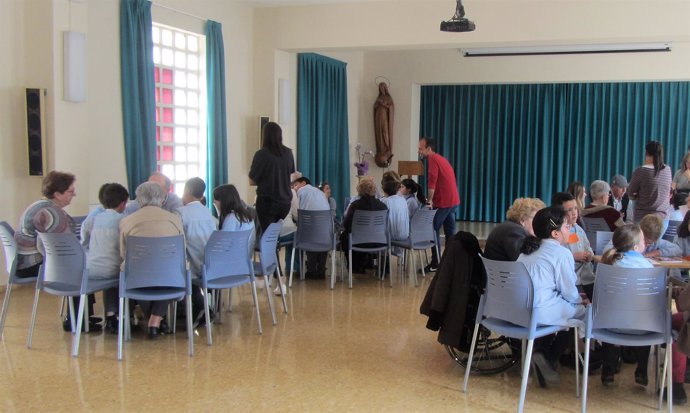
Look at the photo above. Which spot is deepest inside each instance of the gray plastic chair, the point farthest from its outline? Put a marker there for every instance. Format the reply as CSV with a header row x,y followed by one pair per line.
x,y
671,230
506,308
9,247
630,299
63,273
314,234
601,240
422,237
368,227
268,262
227,265
155,270
591,226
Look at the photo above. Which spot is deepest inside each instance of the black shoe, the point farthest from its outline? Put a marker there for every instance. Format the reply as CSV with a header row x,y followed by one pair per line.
x,y
154,333
111,324
164,327
606,377
641,378
679,396
431,268
544,366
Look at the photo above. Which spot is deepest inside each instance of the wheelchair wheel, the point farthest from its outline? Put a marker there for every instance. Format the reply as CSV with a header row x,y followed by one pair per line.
x,y
492,354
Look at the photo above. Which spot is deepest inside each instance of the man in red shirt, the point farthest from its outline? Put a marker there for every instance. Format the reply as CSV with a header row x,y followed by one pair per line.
x,y
442,194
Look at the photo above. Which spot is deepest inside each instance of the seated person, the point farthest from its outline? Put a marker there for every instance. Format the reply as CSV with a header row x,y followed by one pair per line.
x,y
679,202
556,298
325,187
171,203
505,240
312,199
100,237
233,213
398,214
150,220
600,191
652,226
366,191
578,243
414,197
628,246
682,297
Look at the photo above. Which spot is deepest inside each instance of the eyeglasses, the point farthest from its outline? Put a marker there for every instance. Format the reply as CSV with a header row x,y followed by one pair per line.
x,y
569,210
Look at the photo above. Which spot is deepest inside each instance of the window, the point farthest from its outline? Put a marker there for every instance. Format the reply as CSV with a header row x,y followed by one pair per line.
x,y
180,75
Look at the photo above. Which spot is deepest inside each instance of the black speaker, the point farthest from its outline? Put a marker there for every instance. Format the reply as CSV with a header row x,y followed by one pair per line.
x,y
34,129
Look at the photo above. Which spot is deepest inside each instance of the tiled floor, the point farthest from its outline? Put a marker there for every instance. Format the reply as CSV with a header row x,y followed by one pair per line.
x,y
360,350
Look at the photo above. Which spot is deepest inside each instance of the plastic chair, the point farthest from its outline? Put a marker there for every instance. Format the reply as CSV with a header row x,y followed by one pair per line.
x,y
368,227
422,237
268,261
227,265
314,234
64,273
595,224
155,270
9,247
506,308
671,230
601,240
630,299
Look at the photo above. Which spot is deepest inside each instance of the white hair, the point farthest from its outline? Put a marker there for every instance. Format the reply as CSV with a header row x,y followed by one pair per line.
x,y
150,194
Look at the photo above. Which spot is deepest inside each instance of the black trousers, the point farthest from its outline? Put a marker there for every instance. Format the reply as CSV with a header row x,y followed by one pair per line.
x,y
268,211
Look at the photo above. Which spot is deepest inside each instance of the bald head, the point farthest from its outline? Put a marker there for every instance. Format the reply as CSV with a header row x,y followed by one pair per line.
x,y
162,181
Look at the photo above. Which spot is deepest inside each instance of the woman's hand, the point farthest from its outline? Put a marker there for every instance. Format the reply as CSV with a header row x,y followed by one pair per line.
x,y
583,256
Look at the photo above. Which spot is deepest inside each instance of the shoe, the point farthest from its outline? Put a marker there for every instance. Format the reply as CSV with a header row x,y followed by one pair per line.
x,y
544,366
431,268
154,333
606,377
679,396
93,327
280,290
164,327
111,324
641,377
540,379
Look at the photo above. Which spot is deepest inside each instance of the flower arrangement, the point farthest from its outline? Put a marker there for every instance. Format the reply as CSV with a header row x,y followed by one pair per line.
x,y
362,165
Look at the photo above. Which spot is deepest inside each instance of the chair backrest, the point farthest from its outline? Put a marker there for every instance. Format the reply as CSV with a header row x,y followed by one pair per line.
x,y
64,261
78,221
595,224
671,230
316,229
630,298
422,226
226,254
9,247
268,256
370,227
601,240
155,262
509,292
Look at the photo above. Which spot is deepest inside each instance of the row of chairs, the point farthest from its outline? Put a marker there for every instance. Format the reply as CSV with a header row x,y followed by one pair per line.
x,y
624,298
155,269
315,233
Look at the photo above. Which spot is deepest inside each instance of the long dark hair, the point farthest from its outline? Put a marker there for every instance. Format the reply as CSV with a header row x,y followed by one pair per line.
x,y
413,188
656,151
272,139
230,202
545,220
683,230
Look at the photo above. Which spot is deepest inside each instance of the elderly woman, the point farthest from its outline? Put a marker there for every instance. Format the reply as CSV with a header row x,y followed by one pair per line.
x,y
650,184
151,220
505,240
44,215
600,191
681,180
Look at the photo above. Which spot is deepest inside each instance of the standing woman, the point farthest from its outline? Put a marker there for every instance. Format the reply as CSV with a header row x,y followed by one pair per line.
x,y
681,180
270,172
650,184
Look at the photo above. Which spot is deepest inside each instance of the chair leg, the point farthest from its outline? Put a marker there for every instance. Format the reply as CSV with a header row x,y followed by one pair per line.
x,y
5,306
72,320
173,320
280,286
292,263
390,267
190,333
302,264
468,367
128,323
414,269
207,313
33,319
525,376
80,321
577,365
256,306
585,375
61,310
334,269
269,297
120,327
350,269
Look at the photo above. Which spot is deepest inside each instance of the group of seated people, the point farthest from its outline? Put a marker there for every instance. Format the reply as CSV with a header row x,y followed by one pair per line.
x,y
554,247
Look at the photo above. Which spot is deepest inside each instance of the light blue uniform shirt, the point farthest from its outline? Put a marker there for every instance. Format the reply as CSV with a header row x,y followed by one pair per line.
x,y
666,248
312,199
584,270
100,236
231,223
398,217
413,204
633,259
198,225
552,269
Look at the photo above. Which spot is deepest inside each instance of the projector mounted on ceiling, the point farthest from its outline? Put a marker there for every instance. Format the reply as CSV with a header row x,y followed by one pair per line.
x,y
458,23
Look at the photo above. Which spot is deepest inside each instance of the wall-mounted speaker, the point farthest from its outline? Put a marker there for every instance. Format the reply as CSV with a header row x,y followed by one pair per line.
x,y
34,129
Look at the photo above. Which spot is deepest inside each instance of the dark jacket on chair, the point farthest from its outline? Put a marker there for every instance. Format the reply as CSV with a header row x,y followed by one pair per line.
x,y
453,296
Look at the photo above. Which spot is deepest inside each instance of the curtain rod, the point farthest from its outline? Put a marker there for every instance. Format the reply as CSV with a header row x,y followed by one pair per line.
x,y
179,11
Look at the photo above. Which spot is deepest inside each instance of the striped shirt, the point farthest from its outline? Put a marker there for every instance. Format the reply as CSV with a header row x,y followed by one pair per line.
x,y
41,216
650,192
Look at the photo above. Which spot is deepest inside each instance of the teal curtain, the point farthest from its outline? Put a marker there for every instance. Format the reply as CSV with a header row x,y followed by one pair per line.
x,y
322,132
217,148
138,88
531,140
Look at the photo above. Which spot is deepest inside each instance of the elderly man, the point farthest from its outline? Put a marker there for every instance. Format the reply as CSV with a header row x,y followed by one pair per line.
x,y
171,202
150,220
599,191
619,198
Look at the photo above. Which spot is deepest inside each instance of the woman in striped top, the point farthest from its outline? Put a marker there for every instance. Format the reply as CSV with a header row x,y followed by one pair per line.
x,y
650,185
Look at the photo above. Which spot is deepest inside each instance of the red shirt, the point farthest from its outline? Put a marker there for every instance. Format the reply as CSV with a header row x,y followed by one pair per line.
x,y
441,178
